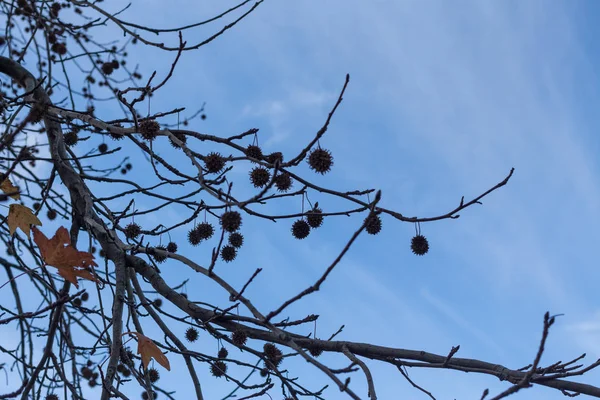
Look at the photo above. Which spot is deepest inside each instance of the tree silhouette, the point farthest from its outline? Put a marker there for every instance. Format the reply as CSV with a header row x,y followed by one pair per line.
x,y
61,74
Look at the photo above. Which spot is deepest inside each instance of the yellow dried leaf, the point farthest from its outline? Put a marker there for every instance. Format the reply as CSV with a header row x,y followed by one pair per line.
x,y
21,217
7,187
148,350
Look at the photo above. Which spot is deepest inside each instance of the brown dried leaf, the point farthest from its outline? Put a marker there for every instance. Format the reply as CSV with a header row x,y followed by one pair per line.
x,y
59,253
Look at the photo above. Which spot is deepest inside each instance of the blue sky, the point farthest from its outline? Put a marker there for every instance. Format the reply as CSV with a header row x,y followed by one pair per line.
x,y
444,98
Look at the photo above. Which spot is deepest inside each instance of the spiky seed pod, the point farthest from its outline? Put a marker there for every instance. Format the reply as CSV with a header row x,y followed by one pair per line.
x,y
51,396
51,215
191,334
107,68
85,296
320,160
128,166
132,230
283,182
315,352
419,245
231,221
127,356
160,258
89,363
259,177
264,372
255,152
271,158
126,372
145,395
103,148
274,356
236,239
218,369
92,383
70,138
223,353
149,129
36,205
77,302
157,303
228,253
214,163
315,217
205,230
181,137
300,229
373,224
102,253
172,247
194,237
121,368
153,375
86,372
239,338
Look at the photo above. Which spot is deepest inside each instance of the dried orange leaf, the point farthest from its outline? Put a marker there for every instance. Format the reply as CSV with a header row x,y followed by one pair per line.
x,y
21,217
58,252
7,187
148,350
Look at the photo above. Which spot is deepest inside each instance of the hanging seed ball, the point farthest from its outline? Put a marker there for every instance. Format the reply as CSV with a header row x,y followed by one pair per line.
x,y
259,177
214,163
51,215
239,338
86,372
157,303
132,230
128,166
121,368
228,253
36,205
320,160
315,352
283,182
223,353
126,372
236,239
271,158
264,372
127,356
149,129
51,396
181,137
255,152
231,221
77,302
70,138
184,295
153,375
373,224
315,217
194,237
89,363
85,296
218,369
191,334
273,355
160,258
145,395
92,383
205,230
419,245
172,247
102,253
103,148
107,68
300,229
